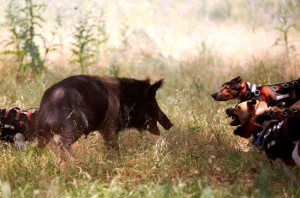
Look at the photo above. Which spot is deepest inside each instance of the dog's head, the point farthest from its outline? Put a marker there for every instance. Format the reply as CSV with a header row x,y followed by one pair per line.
x,y
255,125
230,90
250,127
243,111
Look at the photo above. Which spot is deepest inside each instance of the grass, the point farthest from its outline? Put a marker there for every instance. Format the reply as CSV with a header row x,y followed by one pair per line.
x,y
199,156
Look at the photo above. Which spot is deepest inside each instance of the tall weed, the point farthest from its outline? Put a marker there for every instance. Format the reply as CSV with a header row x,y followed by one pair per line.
x,y
25,21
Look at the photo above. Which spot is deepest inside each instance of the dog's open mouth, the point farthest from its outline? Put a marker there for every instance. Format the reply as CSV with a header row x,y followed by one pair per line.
x,y
235,120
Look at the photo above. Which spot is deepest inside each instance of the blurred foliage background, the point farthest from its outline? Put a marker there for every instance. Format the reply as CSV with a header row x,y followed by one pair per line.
x,y
89,36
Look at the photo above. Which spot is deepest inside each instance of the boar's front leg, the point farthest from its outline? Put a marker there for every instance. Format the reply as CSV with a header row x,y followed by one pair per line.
x,y
110,138
44,136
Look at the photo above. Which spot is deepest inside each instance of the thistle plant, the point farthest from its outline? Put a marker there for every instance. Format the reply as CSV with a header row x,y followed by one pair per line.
x,y
24,19
284,24
88,37
81,47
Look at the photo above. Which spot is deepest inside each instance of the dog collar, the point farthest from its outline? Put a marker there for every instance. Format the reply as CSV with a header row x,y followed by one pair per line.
x,y
269,141
280,89
28,115
264,92
243,91
246,93
6,113
251,90
18,114
281,115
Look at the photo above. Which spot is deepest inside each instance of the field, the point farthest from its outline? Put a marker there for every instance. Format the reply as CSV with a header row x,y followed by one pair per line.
x,y
195,46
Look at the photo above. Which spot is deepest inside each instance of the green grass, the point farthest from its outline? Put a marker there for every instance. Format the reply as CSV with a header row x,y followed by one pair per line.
x,y
199,157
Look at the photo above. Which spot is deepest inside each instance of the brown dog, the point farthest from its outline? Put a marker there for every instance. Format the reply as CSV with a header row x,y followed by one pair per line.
x,y
288,92
278,135
243,111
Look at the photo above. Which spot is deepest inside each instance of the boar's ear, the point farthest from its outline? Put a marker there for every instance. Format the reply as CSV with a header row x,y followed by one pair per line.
x,y
147,80
151,91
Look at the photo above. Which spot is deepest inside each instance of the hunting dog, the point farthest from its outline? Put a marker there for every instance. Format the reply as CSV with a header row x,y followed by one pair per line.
x,y
288,92
17,126
274,130
80,104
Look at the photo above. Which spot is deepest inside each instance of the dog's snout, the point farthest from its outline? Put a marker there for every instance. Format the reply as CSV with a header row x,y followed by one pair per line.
x,y
214,95
228,110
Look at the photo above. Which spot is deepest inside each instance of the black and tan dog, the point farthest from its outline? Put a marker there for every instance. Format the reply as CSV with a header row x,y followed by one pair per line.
x,y
275,130
17,126
288,92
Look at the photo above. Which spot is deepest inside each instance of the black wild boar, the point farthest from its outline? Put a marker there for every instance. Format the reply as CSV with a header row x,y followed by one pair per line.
x,y
81,104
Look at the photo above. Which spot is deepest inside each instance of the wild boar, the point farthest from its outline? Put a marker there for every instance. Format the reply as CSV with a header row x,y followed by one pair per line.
x,y
80,104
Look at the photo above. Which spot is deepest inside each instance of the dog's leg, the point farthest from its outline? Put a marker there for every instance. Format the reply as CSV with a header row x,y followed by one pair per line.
x,y
286,171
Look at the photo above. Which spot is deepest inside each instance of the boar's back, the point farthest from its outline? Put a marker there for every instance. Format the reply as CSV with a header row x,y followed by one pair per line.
x,y
81,99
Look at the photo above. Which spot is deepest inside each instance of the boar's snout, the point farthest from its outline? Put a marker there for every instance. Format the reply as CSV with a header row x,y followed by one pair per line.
x,y
164,121
153,128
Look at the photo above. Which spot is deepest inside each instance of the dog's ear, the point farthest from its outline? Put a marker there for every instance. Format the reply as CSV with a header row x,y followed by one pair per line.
x,y
248,128
243,130
251,102
251,105
237,79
